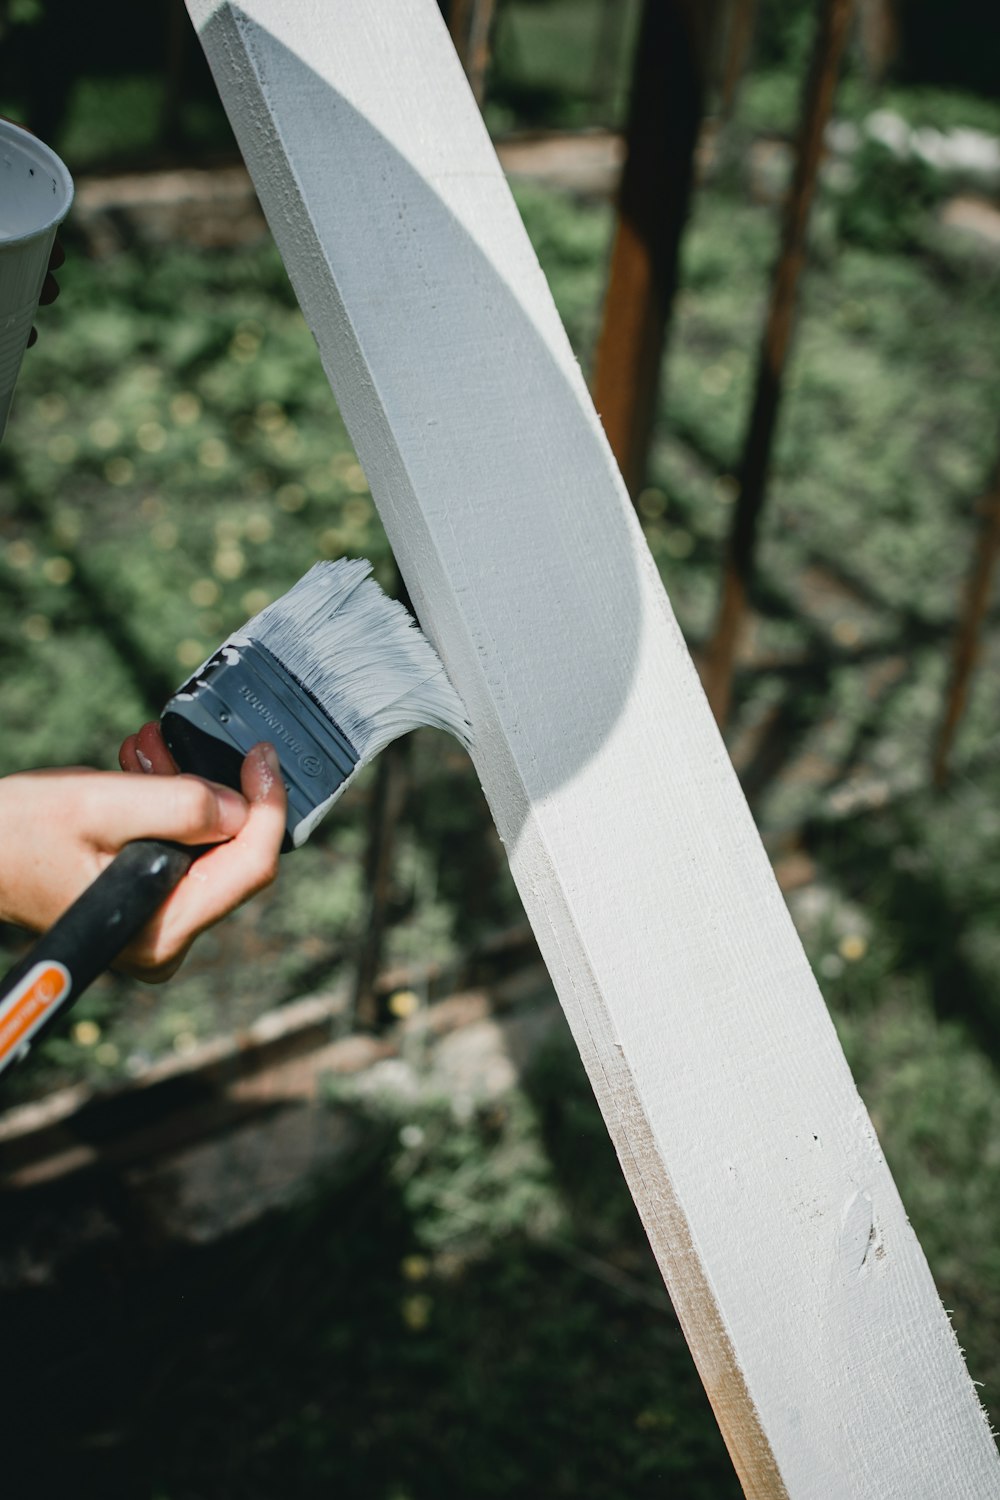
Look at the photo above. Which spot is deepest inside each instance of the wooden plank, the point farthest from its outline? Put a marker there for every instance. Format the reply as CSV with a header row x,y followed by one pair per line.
x,y
802,1290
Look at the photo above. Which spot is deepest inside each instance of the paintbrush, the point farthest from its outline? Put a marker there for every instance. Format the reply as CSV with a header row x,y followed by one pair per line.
x,y
330,673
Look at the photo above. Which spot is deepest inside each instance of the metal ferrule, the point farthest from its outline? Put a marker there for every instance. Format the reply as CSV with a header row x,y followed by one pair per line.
x,y
244,695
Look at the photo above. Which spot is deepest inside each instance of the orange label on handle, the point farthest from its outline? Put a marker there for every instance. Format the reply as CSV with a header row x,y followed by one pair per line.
x,y
29,1005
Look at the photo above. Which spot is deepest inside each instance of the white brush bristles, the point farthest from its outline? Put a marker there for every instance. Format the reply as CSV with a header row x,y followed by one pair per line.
x,y
359,655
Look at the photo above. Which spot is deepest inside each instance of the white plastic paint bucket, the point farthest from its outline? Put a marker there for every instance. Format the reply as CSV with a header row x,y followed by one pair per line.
x,y
36,191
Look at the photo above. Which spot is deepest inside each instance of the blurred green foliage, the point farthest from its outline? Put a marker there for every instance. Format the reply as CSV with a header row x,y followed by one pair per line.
x,y
950,42
561,64
886,204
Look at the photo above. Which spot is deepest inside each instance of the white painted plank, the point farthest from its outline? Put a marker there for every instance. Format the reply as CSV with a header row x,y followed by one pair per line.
x,y
804,1295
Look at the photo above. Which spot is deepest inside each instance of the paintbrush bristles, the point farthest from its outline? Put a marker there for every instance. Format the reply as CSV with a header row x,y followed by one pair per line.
x,y
359,655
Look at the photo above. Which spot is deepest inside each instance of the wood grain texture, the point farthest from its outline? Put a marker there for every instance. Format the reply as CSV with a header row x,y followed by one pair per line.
x,y
802,1290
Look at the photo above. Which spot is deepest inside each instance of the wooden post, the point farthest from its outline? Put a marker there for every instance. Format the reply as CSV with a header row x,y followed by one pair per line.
x,y
804,1295
471,24
879,33
667,103
821,85
740,18
967,637
392,780
388,801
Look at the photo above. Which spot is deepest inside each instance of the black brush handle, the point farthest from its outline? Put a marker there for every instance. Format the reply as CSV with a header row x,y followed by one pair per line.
x,y
87,939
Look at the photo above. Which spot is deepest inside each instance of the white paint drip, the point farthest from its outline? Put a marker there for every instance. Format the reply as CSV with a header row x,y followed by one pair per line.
x,y
265,781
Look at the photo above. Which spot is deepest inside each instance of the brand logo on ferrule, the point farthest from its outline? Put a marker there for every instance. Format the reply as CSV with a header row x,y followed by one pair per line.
x,y
311,764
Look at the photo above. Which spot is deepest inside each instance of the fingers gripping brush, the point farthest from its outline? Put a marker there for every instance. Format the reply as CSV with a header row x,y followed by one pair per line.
x,y
330,674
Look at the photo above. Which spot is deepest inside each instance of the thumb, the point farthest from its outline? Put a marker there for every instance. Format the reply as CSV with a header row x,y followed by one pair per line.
x,y
223,878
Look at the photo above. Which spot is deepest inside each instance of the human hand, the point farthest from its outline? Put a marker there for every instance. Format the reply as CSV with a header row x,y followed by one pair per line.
x,y
60,829
57,256
50,286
